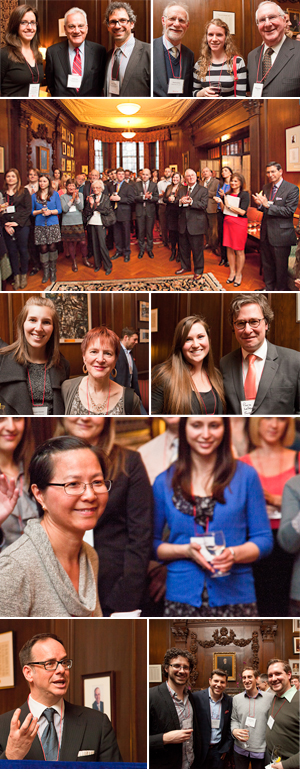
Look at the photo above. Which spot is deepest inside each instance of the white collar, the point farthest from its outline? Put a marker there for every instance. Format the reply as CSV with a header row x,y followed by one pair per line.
x,y
260,352
168,44
37,709
277,48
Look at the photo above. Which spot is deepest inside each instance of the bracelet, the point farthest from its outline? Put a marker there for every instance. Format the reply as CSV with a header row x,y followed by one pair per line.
x,y
232,552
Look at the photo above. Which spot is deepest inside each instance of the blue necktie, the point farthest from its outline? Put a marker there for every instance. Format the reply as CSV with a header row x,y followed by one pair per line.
x,y
49,736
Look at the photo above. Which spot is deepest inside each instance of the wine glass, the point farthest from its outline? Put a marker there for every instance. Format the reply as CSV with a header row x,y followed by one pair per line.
x,y
215,546
276,754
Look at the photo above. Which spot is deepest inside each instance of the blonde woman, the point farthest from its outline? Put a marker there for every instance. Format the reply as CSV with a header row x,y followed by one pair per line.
x,y
219,71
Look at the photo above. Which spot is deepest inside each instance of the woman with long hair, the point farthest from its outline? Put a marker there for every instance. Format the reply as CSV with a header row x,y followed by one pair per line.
x,y
21,63
16,507
275,464
235,226
56,179
125,528
188,382
204,493
15,217
219,71
32,368
222,189
171,198
46,207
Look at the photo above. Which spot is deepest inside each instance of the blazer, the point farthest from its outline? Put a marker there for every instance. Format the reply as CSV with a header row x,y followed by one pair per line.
x,y
58,68
212,188
14,392
95,706
277,224
283,80
163,718
137,78
123,375
84,729
123,210
194,218
279,387
150,208
202,707
160,78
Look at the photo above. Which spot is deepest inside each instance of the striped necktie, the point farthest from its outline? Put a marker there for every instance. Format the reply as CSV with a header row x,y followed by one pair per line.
x,y
49,736
76,69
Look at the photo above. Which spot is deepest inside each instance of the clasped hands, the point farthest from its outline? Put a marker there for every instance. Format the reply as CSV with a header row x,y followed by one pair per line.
x,y
223,562
186,200
261,200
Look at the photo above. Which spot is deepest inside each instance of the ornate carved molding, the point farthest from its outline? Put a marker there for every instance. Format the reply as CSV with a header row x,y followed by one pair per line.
x,y
253,106
181,631
268,630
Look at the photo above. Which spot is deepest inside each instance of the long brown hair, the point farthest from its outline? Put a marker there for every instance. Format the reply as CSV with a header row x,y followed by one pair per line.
x,y
19,186
174,375
106,442
20,348
205,55
223,472
11,37
50,189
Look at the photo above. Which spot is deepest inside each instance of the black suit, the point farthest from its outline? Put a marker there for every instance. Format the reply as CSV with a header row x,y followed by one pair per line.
x,y
58,68
279,387
83,729
283,80
145,212
160,77
163,718
123,215
277,234
123,374
95,706
202,708
192,224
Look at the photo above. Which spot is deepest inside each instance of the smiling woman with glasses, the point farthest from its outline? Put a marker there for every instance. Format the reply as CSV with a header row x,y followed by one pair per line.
x,y
21,65
50,571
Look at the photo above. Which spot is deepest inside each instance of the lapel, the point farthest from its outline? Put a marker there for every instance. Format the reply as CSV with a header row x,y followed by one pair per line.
x,y
35,751
74,728
268,375
169,704
237,374
63,55
87,62
160,64
183,62
131,67
283,57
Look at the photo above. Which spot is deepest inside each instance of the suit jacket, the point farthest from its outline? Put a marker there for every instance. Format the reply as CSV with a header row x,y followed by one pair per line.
x,y
163,718
123,210
212,188
150,208
137,78
95,706
84,729
194,218
279,387
160,78
58,69
202,708
277,224
123,375
283,80
14,392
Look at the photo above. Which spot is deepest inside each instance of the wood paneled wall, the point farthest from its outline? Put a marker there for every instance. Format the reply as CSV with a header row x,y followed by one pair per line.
x,y
215,309
116,310
95,646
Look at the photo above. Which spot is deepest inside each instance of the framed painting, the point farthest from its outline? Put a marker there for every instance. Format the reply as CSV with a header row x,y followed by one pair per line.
x,y
74,313
98,693
225,662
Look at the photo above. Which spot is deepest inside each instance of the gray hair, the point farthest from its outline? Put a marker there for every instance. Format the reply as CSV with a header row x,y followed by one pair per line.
x,y
100,182
75,10
281,11
181,5
117,5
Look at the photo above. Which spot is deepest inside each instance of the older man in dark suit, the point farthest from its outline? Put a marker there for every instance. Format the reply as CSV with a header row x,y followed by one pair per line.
x,y
192,224
259,378
76,66
213,708
128,65
47,727
173,62
274,67
278,201
122,197
146,196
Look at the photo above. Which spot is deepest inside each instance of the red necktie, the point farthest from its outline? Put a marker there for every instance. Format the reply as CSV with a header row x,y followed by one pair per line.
x,y
250,380
76,69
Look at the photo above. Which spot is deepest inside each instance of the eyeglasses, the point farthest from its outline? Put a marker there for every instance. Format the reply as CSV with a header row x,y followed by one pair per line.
x,y
78,488
28,23
254,323
113,22
180,667
269,18
52,664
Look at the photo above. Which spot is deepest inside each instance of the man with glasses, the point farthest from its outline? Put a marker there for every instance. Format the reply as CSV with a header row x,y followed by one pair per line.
x,y
46,727
273,67
259,378
128,64
75,67
172,62
174,732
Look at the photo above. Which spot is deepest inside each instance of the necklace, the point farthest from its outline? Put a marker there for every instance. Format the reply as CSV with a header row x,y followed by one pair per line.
x,y
98,408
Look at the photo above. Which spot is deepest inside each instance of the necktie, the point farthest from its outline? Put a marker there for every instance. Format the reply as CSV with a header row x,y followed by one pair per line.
x,y
190,190
250,380
49,736
145,187
115,75
76,69
274,191
115,207
174,52
267,62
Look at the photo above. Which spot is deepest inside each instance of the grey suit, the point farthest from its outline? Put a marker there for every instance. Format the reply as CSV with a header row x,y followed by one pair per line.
x,y
136,81
283,80
279,387
160,78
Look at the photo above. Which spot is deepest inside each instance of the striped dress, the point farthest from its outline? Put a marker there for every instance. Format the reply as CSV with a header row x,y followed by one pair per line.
x,y
218,74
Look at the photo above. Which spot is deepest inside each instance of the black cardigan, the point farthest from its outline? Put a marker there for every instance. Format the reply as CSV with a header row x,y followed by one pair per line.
x,y
14,392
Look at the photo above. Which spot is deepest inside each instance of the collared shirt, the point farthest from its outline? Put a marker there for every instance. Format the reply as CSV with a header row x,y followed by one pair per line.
x,y
288,695
72,55
127,49
184,712
129,360
247,751
276,49
36,708
159,454
32,187
215,712
168,45
261,354
207,181
162,186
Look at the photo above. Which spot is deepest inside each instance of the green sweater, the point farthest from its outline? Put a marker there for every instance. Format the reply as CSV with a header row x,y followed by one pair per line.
x,y
285,731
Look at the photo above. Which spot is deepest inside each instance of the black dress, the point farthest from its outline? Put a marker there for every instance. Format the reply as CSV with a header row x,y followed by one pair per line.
x,y
16,77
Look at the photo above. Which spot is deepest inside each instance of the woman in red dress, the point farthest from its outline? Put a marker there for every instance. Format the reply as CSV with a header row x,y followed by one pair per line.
x,y
235,227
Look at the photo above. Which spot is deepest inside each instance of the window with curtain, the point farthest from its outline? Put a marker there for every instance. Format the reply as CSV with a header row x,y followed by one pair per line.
x,y
130,155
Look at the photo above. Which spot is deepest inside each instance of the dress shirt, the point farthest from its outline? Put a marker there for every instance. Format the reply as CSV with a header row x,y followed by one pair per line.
x,y
36,708
159,454
261,354
162,186
129,360
72,55
206,182
127,49
184,712
215,712
288,695
32,187
276,49
168,45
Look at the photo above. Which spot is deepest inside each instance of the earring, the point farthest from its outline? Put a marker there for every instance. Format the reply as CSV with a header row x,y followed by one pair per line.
x,y
114,372
84,368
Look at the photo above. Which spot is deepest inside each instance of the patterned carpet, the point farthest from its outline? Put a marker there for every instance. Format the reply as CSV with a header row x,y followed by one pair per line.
x,y
207,283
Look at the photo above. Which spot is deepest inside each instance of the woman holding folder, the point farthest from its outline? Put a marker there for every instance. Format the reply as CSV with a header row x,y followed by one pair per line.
x,y
235,226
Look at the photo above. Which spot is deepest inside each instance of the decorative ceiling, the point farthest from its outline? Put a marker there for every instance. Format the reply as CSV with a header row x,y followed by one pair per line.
x,y
104,112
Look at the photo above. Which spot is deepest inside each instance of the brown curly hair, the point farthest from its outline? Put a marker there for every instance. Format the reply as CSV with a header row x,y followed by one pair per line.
x,y
205,56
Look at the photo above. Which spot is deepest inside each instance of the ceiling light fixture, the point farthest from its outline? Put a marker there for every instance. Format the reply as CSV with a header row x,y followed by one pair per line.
x,y
128,108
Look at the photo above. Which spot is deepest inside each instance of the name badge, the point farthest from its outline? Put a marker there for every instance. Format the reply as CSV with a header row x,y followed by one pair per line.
x,y
175,86
215,723
74,81
73,208
115,87
40,409
247,405
10,209
250,721
270,722
257,90
204,542
34,90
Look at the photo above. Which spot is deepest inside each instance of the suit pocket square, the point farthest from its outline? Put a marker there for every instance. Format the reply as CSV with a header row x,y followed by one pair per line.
x,y
226,711
86,753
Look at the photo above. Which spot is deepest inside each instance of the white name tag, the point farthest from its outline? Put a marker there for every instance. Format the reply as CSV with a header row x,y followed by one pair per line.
x,y
257,90
250,721
74,81
73,208
247,406
34,90
175,86
270,722
204,541
215,723
10,209
114,87
40,409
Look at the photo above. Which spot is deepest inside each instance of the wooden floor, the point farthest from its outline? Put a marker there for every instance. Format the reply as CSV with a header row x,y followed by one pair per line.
x,y
147,268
